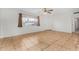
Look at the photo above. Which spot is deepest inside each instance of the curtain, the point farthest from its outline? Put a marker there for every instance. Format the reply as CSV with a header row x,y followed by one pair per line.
x,y
20,20
38,21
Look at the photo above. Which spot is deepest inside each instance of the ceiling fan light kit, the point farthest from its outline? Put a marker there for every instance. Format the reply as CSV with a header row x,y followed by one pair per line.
x,y
47,11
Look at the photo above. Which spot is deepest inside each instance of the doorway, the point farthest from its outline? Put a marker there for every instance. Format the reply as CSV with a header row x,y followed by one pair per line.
x,y
76,23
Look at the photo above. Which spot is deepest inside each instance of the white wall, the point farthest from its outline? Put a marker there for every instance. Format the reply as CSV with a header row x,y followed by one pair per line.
x,y
10,22
61,20
1,31
0,22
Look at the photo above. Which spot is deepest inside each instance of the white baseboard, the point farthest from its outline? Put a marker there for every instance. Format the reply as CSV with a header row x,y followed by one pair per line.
x,y
1,36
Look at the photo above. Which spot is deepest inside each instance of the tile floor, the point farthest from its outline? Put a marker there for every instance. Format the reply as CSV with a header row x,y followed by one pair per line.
x,y
41,41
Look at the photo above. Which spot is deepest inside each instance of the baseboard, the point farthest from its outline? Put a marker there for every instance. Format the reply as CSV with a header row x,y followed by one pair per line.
x,y
23,34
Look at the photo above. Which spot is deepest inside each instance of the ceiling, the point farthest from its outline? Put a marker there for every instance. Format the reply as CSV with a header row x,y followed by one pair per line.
x,y
33,11
38,11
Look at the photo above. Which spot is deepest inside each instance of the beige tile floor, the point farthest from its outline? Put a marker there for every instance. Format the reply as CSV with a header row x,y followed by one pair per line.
x,y
41,41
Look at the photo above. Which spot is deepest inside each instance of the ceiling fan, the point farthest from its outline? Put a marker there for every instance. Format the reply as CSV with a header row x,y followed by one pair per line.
x,y
76,12
47,10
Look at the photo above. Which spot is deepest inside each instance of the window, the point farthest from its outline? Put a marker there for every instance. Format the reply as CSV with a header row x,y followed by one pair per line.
x,y
30,21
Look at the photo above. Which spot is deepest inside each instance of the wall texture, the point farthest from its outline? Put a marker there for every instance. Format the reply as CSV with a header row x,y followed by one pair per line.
x,y
10,22
1,24
61,20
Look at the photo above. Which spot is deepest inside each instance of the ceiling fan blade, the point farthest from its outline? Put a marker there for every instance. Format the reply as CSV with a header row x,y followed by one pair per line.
x,y
76,12
50,10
